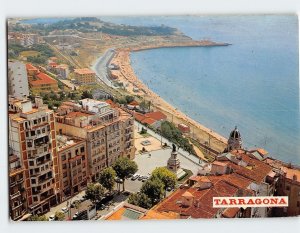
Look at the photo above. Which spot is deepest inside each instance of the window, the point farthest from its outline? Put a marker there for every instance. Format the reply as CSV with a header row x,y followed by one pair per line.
x,y
43,130
35,122
32,133
298,203
82,149
288,188
33,181
31,163
65,175
63,157
29,144
64,166
35,199
27,134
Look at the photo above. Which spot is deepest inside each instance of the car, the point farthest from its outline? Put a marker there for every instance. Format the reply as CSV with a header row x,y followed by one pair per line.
x,y
135,176
118,180
65,209
102,207
75,215
126,193
145,178
51,218
169,189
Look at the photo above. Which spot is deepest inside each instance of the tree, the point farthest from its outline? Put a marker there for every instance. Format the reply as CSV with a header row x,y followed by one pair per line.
x,y
129,98
125,167
107,178
143,131
94,192
38,218
86,94
59,216
154,189
167,177
140,199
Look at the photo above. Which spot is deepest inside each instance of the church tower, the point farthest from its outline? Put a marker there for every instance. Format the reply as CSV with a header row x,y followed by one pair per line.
x,y
235,140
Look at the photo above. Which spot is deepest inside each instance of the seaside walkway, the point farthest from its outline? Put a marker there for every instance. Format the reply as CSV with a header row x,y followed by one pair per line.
x,y
191,157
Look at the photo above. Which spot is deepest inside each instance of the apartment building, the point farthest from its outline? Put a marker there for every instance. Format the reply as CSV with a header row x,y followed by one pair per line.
x,y
17,79
73,167
85,76
39,81
17,194
32,139
25,40
288,185
107,131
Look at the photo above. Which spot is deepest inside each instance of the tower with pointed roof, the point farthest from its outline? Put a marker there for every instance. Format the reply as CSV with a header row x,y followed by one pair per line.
x,y
235,140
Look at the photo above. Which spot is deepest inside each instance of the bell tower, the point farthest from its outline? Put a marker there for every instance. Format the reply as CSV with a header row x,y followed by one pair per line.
x,y
235,140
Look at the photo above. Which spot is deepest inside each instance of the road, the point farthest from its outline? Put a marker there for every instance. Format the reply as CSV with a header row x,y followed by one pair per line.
x,y
100,67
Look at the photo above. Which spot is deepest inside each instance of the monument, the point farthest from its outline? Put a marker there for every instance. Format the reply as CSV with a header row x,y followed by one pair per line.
x,y
174,163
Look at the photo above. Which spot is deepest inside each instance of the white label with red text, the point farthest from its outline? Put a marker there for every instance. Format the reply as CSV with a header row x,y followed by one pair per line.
x,y
244,202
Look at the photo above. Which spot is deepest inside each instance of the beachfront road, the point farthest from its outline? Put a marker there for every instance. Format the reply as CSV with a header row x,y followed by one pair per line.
x,y
101,66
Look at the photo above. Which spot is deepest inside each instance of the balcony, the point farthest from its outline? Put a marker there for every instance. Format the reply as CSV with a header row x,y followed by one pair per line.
x,y
17,206
15,195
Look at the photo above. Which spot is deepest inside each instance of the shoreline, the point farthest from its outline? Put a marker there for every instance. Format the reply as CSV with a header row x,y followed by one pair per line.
x,y
127,75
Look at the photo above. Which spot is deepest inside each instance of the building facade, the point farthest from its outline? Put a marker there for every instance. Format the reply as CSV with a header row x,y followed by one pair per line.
x,y
32,139
108,131
17,79
73,167
17,195
85,76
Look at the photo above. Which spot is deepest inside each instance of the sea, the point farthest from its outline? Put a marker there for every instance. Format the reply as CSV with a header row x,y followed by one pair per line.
x,y
252,84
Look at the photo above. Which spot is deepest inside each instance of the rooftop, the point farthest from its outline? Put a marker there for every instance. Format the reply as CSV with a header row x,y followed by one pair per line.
x,y
84,71
42,79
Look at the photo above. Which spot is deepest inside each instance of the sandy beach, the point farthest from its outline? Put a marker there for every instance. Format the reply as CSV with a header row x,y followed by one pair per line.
x,y
126,75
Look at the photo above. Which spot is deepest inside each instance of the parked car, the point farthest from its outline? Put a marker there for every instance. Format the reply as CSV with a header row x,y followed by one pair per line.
x,y
135,176
51,218
65,209
169,189
118,180
145,178
75,215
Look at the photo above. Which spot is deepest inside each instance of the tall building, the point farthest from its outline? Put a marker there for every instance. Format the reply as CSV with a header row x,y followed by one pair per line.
x,y
85,76
72,160
17,79
32,140
107,131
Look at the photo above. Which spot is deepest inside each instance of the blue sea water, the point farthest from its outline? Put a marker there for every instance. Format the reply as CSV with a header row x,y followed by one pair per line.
x,y
254,83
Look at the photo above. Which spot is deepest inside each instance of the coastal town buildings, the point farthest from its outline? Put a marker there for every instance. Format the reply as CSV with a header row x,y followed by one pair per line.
x,y
40,82
32,141
85,76
153,119
17,79
234,141
72,160
108,131
288,185
23,39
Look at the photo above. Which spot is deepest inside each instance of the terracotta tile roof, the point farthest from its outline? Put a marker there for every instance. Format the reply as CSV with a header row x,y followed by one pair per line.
x,y
148,121
138,116
256,170
202,206
31,67
219,164
155,215
77,114
291,173
111,103
42,79
156,115
84,71
230,212
134,103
